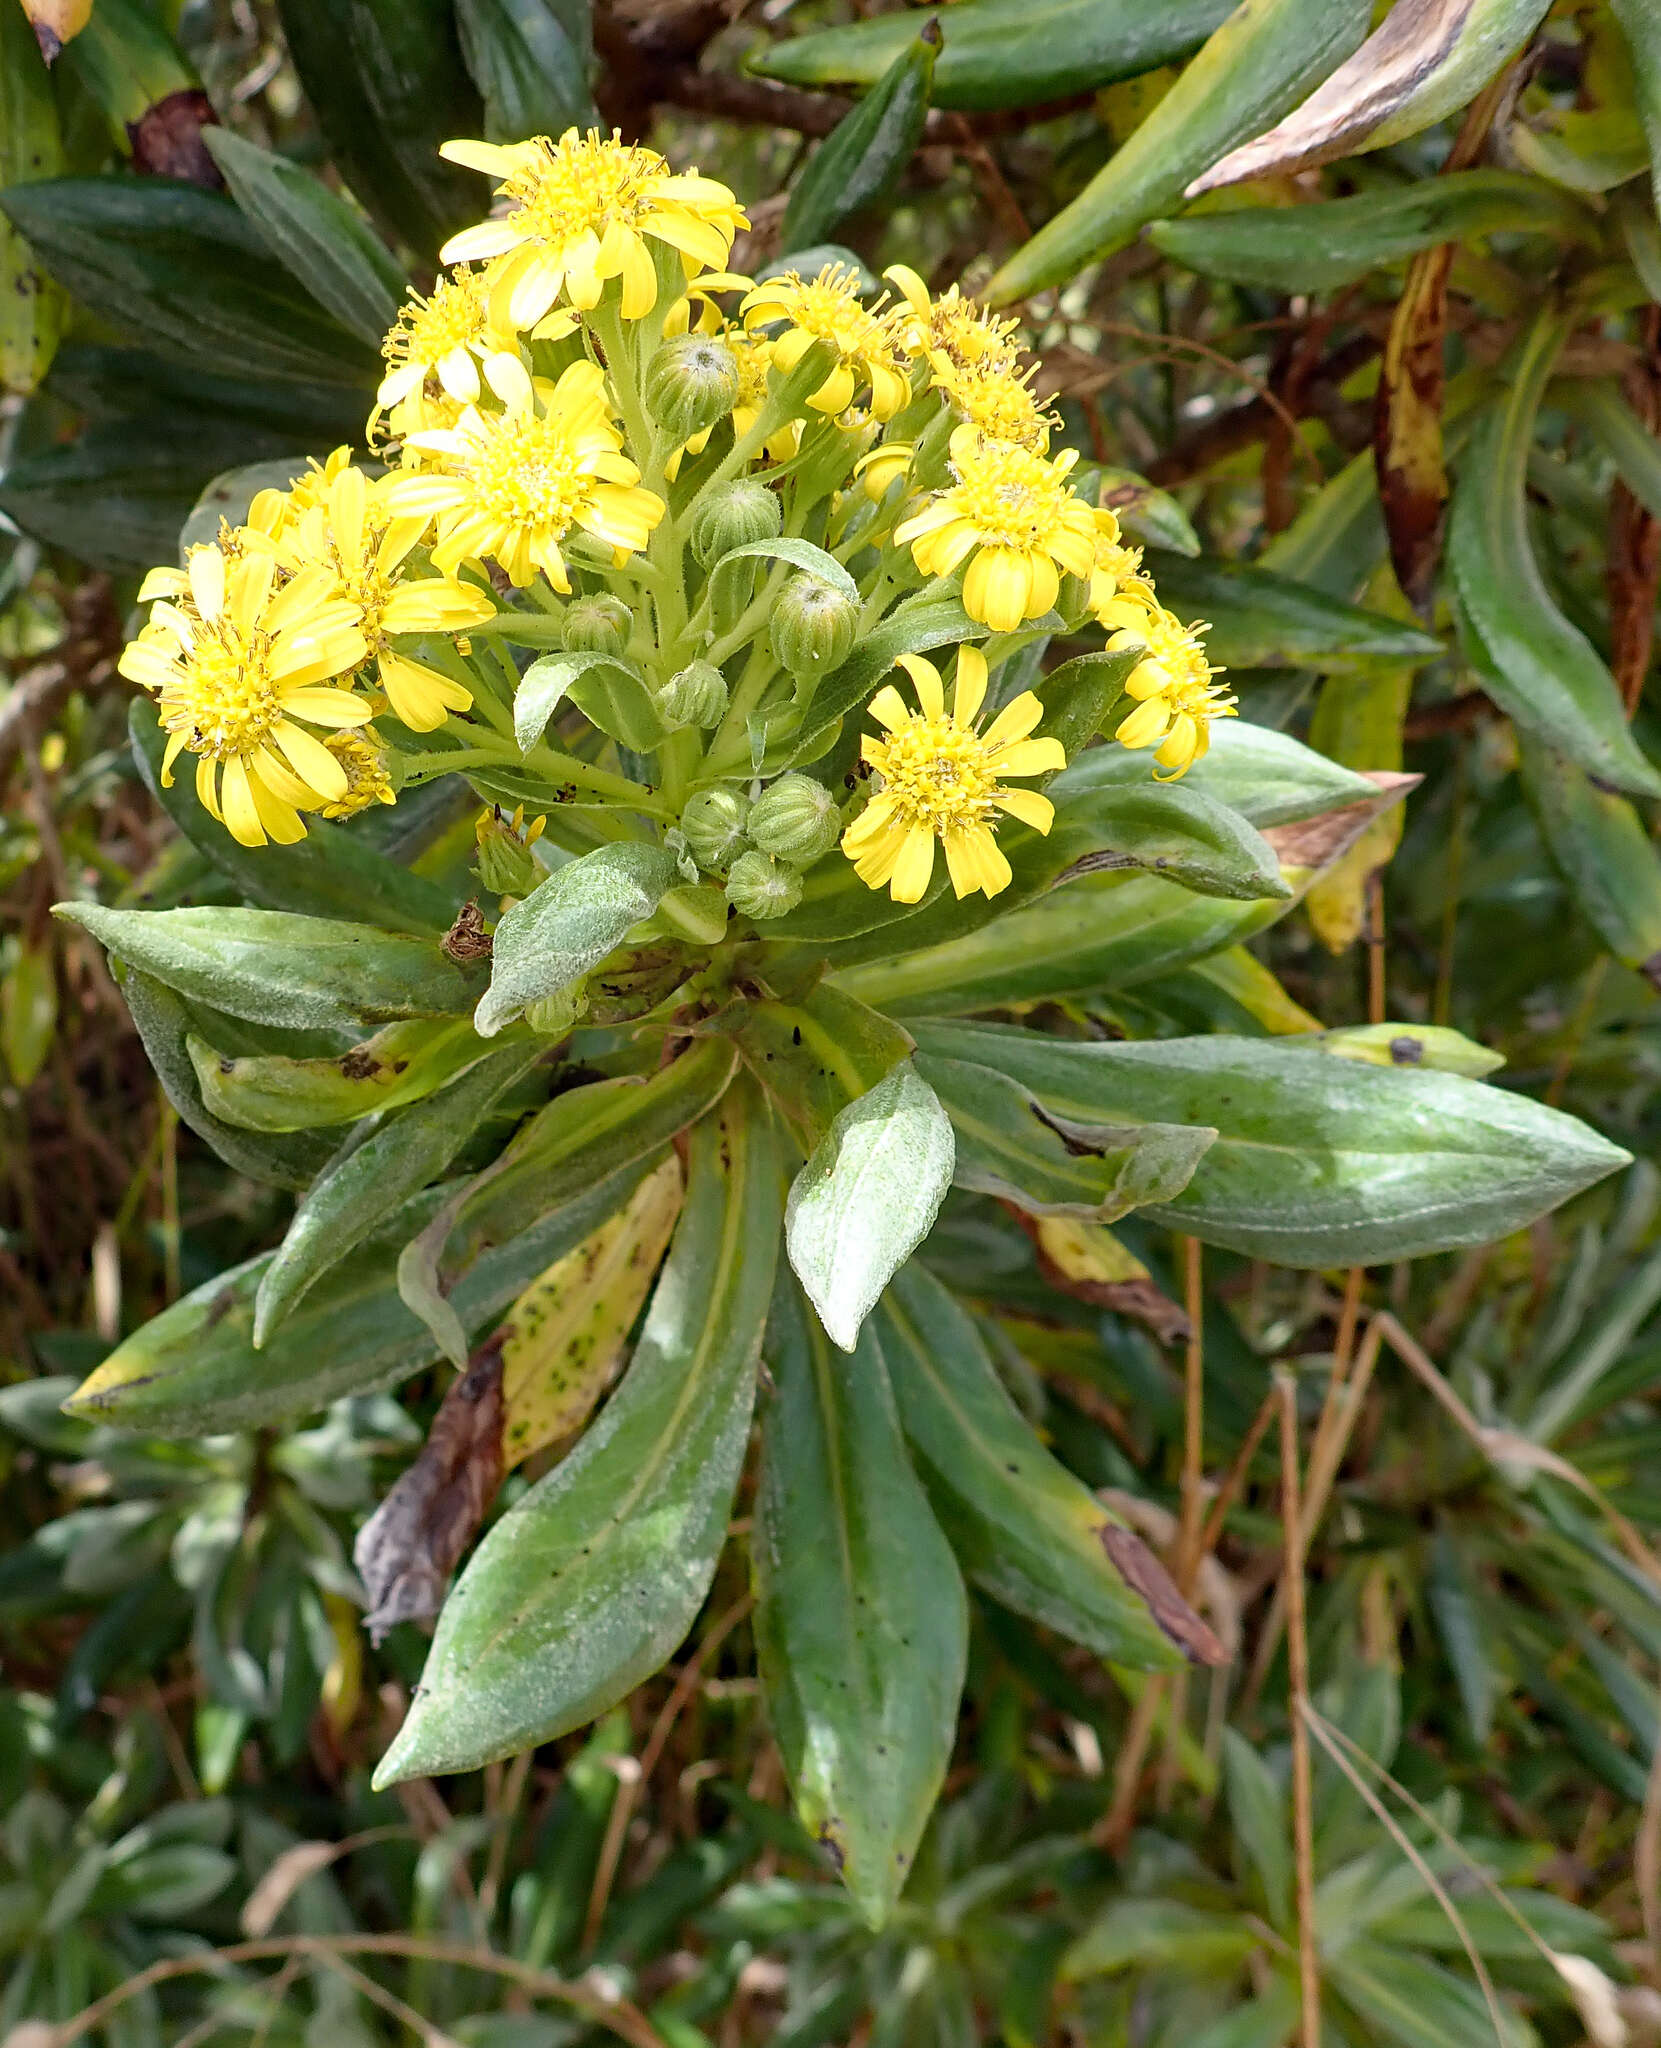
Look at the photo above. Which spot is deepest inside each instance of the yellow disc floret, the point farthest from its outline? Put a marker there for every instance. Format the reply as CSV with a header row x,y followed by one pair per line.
x,y
864,346
942,779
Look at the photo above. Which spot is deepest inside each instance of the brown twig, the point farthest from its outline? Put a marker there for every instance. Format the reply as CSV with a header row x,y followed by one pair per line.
x,y
1187,1558
1297,1657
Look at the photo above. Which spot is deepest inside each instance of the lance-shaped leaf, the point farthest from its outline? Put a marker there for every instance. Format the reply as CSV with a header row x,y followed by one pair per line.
x,y
272,967
530,62
357,1194
608,692
568,924
1318,247
1259,64
936,622
166,1023
817,1054
271,1092
588,1583
861,1623
1596,402
1425,59
860,161
1022,1526
193,1370
1641,28
1266,777
1607,857
314,234
1169,830
1006,53
867,1198
332,872
1011,1146
1537,666
1262,620
1319,1162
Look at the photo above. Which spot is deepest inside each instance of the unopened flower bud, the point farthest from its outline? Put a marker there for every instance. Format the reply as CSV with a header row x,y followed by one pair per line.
x,y
797,819
695,695
732,517
761,887
505,863
713,822
813,628
596,625
690,384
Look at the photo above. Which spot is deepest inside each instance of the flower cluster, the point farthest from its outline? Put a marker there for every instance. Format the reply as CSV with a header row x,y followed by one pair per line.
x,y
696,495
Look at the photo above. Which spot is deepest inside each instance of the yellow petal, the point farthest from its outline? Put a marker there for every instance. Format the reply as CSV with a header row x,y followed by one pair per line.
x,y
970,692
207,786
310,759
910,880
1014,721
888,708
207,581
325,707
419,696
1029,757
1147,723
1028,806
474,245
925,678
242,818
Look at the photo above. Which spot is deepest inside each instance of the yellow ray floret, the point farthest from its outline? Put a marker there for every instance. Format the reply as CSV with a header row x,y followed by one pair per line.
x,y
942,779
362,541
443,337
242,663
585,209
1013,516
864,345
510,486
1176,697
951,329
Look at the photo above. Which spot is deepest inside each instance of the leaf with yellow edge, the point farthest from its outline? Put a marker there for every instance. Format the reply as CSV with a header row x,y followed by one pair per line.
x,y
1358,722
562,1340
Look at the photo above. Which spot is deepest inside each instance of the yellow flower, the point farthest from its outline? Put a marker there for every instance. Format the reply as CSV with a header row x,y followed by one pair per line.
x,y
1121,594
1177,698
951,332
999,401
827,308
579,212
367,782
882,465
1013,512
942,779
753,354
273,512
442,337
237,659
513,484
356,535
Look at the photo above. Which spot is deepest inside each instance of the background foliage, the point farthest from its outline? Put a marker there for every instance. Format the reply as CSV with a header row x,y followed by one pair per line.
x,y
192,1711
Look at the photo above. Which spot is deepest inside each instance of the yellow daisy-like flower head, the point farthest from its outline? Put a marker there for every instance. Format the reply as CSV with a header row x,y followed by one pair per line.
x,y
510,486
753,354
951,332
581,211
1013,514
442,337
1121,593
362,541
1176,696
367,782
827,308
241,663
942,779
999,401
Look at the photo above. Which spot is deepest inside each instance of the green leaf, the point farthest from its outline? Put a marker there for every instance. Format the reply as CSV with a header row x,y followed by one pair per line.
x,y
817,1054
1319,1162
316,236
165,1023
31,146
867,1198
1152,1934
1455,1599
1263,775
1260,63
1638,24
530,62
621,705
272,1092
193,1370
1145,510
1079,694
1318,247
860,161
332,872
589,1581
28,1011
1009,1146
1257,1811
1540,669
802,554
1022,1526
1006,53
1407,2000
182,269
274,967
354,1197
1606,855
1412,1045
1261,620
1171,830
1596,402
388,85
861,1623
937,622
568,924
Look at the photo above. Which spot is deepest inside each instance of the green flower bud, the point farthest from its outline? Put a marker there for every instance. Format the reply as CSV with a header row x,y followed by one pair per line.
x,y
713,822
695,695
597,625
813,628
734,516
761,887
504,861
690,384
797,819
